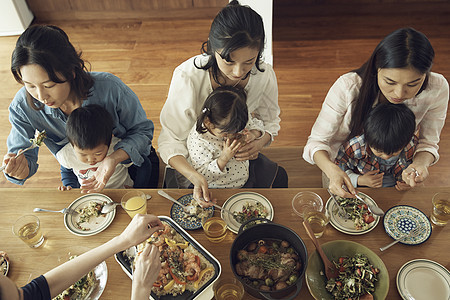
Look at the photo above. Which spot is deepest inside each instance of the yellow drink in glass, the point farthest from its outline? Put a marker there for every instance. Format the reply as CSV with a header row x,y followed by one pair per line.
x,y
134,202
28,229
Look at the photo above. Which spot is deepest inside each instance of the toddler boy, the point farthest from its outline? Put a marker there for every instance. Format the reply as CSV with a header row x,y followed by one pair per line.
x,y
378,157
89,131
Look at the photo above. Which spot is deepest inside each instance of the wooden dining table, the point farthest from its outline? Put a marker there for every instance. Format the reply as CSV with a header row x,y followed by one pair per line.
x,y
27,263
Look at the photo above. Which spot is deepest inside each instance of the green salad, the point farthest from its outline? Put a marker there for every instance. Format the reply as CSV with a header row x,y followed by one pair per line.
x,y
357,211
80,289
357,277
250,211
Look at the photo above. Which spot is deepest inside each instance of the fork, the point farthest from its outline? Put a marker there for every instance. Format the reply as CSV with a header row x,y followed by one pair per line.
x,y
63,211
19,154
412,233
342,211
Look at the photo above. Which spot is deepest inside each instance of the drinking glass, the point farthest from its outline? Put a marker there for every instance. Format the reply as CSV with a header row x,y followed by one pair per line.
x,y
306,201
28,229
318,221
228,289
309,206
215,229
134,202
440,213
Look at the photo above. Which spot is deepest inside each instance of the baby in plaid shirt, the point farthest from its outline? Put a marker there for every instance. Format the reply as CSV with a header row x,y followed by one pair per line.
x,y
378,157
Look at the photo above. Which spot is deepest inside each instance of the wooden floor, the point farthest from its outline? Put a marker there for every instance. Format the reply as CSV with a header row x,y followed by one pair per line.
x,y
313,45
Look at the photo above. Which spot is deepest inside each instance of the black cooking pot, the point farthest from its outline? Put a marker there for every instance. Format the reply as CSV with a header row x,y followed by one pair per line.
x,y
265,229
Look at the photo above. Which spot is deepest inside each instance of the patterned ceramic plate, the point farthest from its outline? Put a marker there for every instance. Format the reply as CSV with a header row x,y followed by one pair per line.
x,y
400,219
346,225
235,204
187,222
423,279
95,224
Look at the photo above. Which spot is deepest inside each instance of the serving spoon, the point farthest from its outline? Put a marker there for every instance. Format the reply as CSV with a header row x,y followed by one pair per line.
x,y
188,209
372,208
330,269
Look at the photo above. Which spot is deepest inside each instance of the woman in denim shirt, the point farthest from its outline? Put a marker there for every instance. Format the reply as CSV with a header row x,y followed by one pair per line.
x,y
56,82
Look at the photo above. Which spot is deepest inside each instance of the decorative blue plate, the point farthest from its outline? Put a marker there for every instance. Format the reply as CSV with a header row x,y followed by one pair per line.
x,y
401,219
185,221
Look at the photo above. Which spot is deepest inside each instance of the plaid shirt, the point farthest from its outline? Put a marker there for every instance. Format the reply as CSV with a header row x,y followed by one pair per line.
x,y
355,155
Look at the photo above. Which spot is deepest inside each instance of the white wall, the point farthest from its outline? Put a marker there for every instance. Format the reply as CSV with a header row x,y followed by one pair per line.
x,y
15,16
265,9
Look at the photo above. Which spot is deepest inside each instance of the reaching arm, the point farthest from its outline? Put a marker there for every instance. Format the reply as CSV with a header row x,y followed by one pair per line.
x,y
68,273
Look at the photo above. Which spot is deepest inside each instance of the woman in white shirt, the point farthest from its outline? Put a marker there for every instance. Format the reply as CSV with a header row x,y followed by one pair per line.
x,y
399,71
231,57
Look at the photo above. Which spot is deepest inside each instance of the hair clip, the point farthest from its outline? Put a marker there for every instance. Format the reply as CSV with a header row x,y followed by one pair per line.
x,y
205,109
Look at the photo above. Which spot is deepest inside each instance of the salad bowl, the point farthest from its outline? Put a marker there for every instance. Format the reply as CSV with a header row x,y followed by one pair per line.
x,y
315,273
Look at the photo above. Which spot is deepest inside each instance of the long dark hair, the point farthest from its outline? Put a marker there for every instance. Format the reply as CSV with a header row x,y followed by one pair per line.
x,y
389,127
403,48
235,26
49,47
226,109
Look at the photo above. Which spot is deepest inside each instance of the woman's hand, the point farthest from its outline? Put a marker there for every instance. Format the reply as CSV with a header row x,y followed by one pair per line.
x,y
148,265
16,167
338,180
401,186
251,150
140,228
201,192
415,174
373,179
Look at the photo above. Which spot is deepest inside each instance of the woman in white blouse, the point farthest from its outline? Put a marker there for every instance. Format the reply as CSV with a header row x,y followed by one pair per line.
x,y
399,71
231,57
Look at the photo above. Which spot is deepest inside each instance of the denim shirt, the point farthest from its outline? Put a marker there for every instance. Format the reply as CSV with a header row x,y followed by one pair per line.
x,y
130,122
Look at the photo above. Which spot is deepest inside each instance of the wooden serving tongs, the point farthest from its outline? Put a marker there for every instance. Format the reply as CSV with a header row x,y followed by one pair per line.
x,y
330,269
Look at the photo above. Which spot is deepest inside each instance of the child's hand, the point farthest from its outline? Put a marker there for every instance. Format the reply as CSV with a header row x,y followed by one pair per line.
x,y
64,188
230,148
402,186
372,179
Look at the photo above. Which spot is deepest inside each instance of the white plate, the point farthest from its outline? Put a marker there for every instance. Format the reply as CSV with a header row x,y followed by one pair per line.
x,y
347,225
423,279
401,219
62,255
95,225
235,204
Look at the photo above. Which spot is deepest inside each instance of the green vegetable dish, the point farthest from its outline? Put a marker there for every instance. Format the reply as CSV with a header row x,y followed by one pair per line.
x,y
357,211
250,211
80,289
356,278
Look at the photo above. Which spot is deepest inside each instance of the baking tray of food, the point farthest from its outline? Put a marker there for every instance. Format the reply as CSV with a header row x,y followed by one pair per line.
x,y
194,281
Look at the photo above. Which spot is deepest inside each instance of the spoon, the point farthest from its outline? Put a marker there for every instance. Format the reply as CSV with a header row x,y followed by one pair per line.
x,y
109,207
188,209
330,268
372,208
